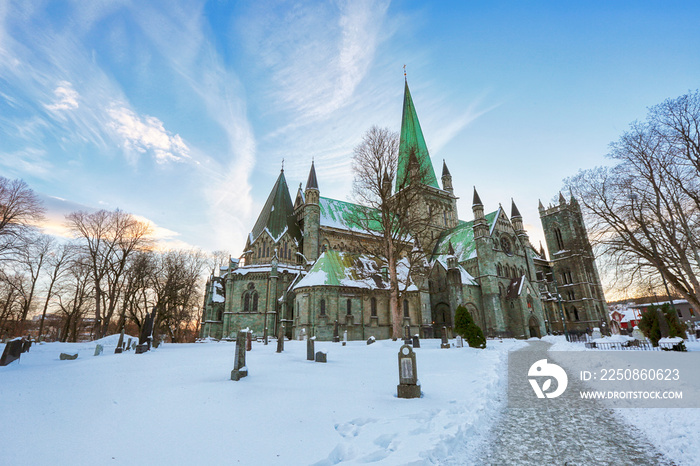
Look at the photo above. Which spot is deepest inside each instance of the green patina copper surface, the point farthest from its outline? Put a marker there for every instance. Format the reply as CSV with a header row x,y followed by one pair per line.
x,y
412,141
334,268
348,216
462,239
277,213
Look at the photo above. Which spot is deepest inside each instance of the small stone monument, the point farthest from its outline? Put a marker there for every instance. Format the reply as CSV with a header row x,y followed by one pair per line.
x,y
128,344
637,334
596,333
13,349
66,356
371,340
310,355
240,370
345,337
445,343
98,349
407,340
416,341
280,339
321,356
408,386
26,344
459,343
120,343
302,334
249,341
336,335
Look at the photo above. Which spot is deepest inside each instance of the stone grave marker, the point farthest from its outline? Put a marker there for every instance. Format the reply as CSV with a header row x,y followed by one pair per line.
x,y
240,370
445,343
321,356
302,334
120,344
280,339
595,334
98,349
66,356
13,349
345,337
310,355
249,341
128,344
459,343
371,340
637,334
336,336
416,341
26,344
408,386
407,340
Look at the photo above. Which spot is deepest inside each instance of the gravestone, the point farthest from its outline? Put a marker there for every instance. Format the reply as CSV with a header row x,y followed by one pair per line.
x,y
595,334
310,355
146,336
26,344
445,343
302,334
133,345
240,370
416,341
321,356
66,356
408,386
407,340
98,349
637,334
345,337
120,343
336,336
13,349
128,344
371,340
459,343
249,341
140,349
280,339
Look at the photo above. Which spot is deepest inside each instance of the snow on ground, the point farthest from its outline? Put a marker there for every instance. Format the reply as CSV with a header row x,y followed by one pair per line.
x,y
675,432
177,404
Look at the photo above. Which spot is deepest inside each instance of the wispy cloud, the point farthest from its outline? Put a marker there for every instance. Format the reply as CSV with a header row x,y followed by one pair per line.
x,y
146,134
66,98
29,161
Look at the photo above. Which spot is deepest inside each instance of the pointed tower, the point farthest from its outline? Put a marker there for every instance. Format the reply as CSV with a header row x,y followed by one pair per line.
x,y
415,177
517,221
312,216
277,220
481,226
412,143
446,178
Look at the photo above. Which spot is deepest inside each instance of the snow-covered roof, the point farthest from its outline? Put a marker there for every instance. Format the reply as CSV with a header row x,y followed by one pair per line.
x,y
346,215
218,295
467,278
335,268
246,269
462,239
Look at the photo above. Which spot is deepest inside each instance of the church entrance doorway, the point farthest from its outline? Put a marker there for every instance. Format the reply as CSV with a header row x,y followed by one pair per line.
x,y
442,317
534,325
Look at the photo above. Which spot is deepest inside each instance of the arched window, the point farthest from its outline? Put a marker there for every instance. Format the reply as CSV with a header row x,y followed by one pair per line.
x,y
246,302
221,315
250,299
349,307
322,306
499,270
405,308
255,301
558,239
373,306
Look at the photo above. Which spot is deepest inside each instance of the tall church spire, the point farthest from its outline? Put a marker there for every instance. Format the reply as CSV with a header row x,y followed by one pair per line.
x,y
413,143
312,183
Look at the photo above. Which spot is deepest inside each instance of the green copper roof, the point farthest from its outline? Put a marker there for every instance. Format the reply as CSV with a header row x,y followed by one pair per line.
x,y
334,268
347,216
277,215
461,238
412,141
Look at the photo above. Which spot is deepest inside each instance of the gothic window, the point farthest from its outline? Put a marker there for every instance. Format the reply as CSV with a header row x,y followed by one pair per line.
x,y
499,270
405,308
255,301
250,299
558,239
246,302
349,307
574,313
529,303
267,250
444,217
221,315
373,307
322,305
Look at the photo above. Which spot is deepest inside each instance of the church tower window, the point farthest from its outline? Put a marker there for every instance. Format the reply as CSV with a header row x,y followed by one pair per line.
x,y
322,306
405,308
349,307
373,307
558,239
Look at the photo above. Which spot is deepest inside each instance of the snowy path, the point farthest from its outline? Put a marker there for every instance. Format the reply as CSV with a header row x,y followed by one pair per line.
x,y
565,434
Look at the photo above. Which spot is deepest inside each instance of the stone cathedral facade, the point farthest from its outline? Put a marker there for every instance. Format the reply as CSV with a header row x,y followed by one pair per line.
x,y
303,265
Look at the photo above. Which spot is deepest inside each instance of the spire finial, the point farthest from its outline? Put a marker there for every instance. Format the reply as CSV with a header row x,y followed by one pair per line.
x,y
282,164
404,72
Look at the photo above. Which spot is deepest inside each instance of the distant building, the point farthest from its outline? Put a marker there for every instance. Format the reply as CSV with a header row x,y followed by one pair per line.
x,y
302,265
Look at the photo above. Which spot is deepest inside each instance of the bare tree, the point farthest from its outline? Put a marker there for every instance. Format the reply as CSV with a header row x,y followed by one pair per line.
x,y
108,238
74,294
390,218
20,208
643,213
58,261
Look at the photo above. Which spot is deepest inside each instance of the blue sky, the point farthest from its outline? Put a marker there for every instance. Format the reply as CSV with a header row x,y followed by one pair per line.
x,y
181,112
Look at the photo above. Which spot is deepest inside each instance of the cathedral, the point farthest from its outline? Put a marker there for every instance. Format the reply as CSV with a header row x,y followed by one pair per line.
x,y
303,270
